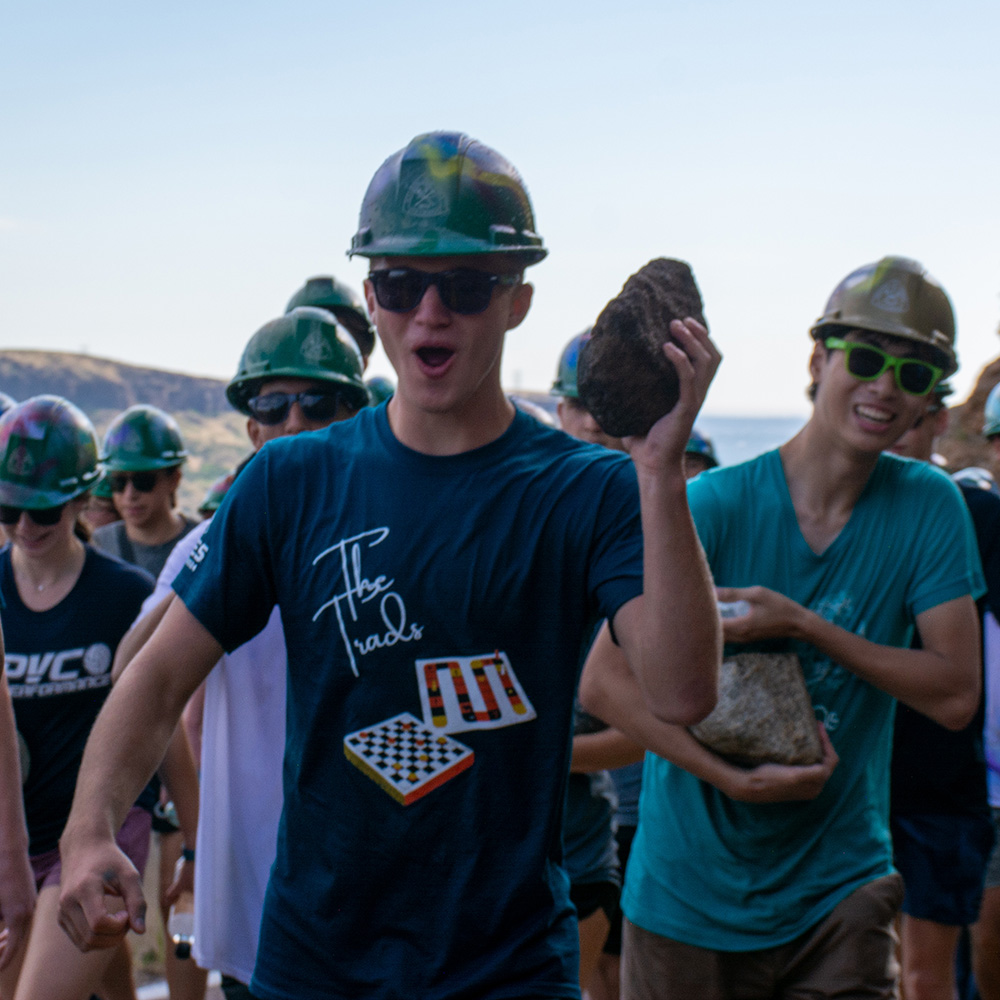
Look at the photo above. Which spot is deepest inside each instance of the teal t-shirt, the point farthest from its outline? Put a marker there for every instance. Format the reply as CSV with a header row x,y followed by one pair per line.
x,y
735,876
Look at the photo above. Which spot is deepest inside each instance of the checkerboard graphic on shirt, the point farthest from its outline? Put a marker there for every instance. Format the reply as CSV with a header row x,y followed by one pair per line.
x,y
405,757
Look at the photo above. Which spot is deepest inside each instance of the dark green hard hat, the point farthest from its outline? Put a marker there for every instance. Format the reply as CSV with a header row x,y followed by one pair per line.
x,y
326,292
305,343
379,388
444,194
48,453
142,438
102,488
216,492
569,362
898,297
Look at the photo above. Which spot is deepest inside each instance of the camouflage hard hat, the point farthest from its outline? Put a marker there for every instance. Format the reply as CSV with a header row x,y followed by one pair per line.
x,y
991,413
895,296
305,343
701,444
569,362
142,438
6,403
379,388
48,453
326,292
447,194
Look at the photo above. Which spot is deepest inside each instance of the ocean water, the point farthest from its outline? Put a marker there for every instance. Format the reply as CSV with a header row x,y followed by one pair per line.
x,y
738,438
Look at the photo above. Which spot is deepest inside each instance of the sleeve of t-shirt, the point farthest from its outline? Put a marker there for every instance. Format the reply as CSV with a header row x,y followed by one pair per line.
x,y
228,581
616,555
946,556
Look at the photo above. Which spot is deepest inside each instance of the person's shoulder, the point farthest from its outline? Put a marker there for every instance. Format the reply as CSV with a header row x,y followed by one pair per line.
x,y
113,571
916,476
107,536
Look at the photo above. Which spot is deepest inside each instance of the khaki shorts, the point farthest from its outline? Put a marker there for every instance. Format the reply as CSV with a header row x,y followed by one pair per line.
x,y
849,954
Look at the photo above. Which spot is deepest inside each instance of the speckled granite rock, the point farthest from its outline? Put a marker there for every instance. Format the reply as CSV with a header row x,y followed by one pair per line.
x,y
763,714
624,379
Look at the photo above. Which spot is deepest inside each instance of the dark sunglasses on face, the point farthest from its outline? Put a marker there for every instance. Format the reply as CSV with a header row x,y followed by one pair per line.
x,y
45,517
463,290
867,363
143,482
273,407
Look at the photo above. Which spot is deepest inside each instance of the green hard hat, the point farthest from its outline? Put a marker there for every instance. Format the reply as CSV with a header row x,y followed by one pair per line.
x,y
48,453
895,296
701,444
140,439
102,488
305,343
991,413
216,492
325,292
444,194
379,388
569,362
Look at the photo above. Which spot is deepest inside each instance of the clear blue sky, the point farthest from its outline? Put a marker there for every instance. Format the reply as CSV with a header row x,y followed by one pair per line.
x,y
171,174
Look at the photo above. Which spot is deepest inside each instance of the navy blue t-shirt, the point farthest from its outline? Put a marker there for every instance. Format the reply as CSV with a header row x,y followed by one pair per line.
x,y
59,672
433,610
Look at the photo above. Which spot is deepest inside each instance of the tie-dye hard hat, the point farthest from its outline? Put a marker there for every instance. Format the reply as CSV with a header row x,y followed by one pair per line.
x,y
447,194
48,453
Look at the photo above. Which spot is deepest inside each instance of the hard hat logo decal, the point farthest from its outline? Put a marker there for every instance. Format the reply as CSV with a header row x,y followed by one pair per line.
x,y
315,348
20,462
424,200
891,297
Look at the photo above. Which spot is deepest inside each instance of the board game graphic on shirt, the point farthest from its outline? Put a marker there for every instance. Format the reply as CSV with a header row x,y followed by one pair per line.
x,y
406,758
471,692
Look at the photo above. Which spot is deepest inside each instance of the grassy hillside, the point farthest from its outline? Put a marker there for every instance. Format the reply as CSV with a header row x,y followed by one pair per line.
x,y
214,433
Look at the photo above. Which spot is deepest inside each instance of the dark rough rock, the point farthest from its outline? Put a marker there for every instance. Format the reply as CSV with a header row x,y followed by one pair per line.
x,y
625,381
763,714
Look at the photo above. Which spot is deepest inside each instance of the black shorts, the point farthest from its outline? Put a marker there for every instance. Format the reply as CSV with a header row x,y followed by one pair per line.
x,y
943,863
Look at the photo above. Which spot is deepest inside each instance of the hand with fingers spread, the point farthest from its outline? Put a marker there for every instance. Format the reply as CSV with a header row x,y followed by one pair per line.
x,y
783,782
696,360
100,897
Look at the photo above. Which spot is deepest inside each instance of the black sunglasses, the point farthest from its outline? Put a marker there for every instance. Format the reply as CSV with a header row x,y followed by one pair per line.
x,y
45,517
273,407
143,482
463,290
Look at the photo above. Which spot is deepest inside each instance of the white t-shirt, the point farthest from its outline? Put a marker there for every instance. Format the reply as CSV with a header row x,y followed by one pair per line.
x,y
243,741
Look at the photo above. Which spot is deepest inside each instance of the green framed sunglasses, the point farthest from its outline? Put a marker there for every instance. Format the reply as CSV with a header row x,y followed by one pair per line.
x,y
867,363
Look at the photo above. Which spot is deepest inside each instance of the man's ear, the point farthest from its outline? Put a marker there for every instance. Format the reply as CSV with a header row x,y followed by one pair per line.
x,y
253,432
817,360
369,297
520,304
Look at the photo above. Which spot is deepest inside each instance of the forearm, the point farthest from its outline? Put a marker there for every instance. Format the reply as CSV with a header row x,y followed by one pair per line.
x,y
605,750
132,731
942,680
180,775
678,644
609,690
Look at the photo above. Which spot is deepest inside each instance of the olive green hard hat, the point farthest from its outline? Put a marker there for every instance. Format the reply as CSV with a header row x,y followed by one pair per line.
x,y
895,296
48,453
325,292
991,413
305,343
140,439
569,362
444,194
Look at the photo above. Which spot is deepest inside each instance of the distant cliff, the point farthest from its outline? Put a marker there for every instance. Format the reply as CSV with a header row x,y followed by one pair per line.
x,y
214,433
99,384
